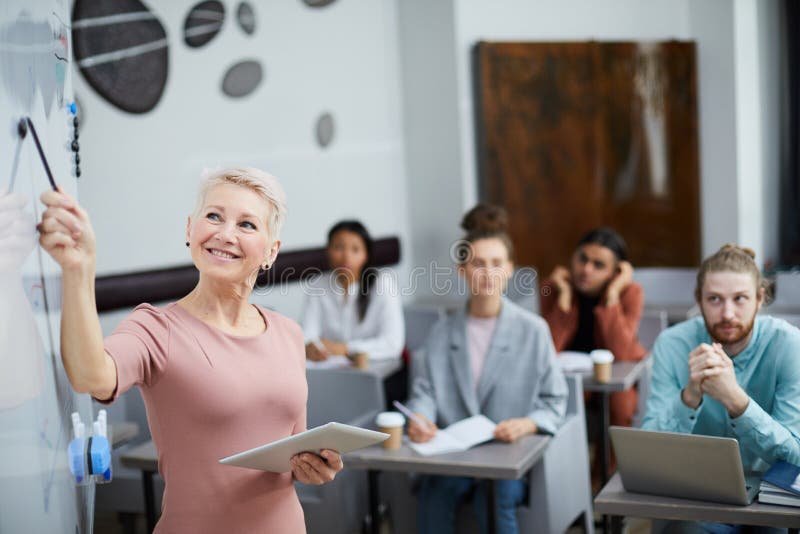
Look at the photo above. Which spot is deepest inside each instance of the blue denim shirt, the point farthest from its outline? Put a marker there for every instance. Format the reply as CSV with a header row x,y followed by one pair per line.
x,y
769,372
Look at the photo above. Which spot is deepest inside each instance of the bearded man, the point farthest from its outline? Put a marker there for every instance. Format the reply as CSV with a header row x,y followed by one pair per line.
x,y
731,372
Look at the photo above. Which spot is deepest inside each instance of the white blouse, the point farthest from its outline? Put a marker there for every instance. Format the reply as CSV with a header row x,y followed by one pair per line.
x,y
330,312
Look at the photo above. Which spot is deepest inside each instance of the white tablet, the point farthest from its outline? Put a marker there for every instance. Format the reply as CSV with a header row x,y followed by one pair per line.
x,y
275,456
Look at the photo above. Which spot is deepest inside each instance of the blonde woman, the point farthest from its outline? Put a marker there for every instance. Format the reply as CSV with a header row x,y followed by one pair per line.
x,y
218,375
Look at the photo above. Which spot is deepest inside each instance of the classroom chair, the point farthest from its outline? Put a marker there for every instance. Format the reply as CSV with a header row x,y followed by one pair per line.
x,y
792,319
352,398
667,287
523,288
419,320
787,293
652,323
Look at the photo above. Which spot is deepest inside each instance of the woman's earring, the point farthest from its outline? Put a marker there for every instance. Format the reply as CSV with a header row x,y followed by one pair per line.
x,y
265,266
187,243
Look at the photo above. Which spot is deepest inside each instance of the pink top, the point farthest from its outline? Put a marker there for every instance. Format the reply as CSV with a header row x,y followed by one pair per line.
x,y
208,395
479,335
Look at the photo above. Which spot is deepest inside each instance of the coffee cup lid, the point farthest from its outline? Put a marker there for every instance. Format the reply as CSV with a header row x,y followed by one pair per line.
x,y
602,356
390,419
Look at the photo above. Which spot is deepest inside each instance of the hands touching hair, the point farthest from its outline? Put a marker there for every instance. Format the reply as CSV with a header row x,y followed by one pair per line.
x,y
563,282
621,280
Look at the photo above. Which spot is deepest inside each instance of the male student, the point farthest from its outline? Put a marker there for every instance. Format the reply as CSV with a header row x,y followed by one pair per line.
x,y
731,372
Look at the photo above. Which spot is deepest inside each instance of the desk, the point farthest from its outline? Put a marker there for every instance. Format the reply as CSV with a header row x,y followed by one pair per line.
x,y
490,462
383,369
145,458
624,376
122,433
613,500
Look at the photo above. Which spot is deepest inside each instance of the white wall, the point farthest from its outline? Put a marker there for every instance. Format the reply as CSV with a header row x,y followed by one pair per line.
x,y
140,172
737,145
712,26
770,36
396,75
431,127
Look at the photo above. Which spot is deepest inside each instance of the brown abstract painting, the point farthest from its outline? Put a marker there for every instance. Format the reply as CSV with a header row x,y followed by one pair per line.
x,y
572,136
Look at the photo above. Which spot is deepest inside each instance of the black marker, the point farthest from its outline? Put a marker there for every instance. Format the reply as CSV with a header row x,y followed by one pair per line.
x,y
22,129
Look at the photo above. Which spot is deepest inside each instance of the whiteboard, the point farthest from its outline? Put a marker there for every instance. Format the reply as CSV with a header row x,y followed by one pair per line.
x,y
37,493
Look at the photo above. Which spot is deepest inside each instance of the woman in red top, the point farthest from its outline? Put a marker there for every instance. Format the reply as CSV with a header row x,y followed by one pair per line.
x,y
595,304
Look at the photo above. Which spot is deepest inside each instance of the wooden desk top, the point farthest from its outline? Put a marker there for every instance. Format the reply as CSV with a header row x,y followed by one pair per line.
x,y
614,500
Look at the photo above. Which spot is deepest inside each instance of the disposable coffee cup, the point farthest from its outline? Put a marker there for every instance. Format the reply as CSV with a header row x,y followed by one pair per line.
x,y
602,360
391,423
360,360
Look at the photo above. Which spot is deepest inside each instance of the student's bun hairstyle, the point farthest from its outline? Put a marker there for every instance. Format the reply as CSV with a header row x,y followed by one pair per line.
x,y
484,221
731,258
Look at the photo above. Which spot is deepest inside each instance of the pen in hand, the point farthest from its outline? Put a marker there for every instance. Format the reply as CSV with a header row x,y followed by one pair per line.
x,y
411,415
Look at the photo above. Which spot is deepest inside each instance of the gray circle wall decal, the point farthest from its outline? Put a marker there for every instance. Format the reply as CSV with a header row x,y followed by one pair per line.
x,y
242,78
325,129
246,18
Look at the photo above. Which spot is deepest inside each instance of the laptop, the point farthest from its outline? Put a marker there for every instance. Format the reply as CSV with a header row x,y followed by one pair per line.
x,y
686,466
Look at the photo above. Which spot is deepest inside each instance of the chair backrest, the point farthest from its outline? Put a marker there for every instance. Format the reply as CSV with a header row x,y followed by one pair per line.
x,y
419,321
523,288
787,291
652,323
344,396
575,398
667,286
792,319
644,392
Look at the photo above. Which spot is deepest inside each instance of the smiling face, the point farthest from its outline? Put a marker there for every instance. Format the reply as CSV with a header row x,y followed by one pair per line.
x,y
593,266
228,236
729,302
488,268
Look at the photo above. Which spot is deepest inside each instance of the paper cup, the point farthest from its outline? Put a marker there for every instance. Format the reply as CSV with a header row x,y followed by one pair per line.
x,y
360,360
391,423
602,360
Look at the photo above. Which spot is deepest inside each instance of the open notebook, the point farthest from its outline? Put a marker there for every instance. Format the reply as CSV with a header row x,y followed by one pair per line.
x,y
458,437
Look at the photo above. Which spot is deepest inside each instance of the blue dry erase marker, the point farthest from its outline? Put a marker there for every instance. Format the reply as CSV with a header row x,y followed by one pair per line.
x,y
76,451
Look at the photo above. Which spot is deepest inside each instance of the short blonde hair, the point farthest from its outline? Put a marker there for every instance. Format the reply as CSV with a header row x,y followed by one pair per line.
x,y
262,183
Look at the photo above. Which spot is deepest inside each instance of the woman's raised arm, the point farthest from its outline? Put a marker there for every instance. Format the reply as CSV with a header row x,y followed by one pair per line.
x,y
67,235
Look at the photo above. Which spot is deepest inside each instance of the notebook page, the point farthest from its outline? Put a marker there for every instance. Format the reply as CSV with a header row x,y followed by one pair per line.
x,y
472,430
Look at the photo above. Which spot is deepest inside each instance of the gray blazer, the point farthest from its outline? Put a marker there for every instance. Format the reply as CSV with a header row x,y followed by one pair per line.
x,y
520,379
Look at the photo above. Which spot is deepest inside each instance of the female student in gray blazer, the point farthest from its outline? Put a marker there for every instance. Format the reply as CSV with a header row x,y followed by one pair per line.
x,y
492,358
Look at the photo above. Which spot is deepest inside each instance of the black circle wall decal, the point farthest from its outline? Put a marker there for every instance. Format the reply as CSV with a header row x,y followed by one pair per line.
x,y
318,3
120,48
